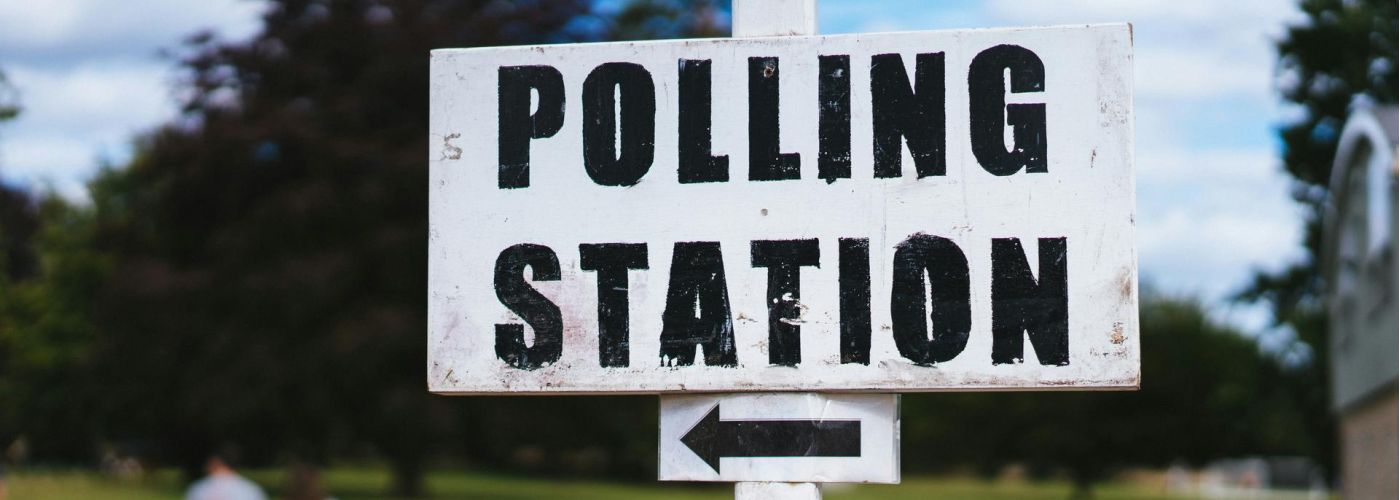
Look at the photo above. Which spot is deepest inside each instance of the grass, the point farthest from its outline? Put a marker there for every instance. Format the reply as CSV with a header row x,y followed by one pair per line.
x,y
366,483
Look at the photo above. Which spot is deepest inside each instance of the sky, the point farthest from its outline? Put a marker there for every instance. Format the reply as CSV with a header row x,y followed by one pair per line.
x,y
1213,204
91,76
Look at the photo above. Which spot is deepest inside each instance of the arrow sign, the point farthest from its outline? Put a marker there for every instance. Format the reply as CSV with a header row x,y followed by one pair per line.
x,y
844,438
712,438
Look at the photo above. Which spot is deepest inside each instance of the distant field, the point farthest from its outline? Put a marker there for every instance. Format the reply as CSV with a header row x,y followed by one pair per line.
x,y
353,484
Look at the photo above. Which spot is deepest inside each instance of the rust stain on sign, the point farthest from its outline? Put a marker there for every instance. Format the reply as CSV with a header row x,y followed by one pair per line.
x,y
1117,336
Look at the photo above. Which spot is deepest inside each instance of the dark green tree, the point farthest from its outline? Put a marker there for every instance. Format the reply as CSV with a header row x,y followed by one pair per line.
x,y
268,282
48,278
46,334
1207,392
1345,49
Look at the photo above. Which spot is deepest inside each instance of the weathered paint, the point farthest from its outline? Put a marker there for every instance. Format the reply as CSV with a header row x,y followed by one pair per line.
x,y
1084,195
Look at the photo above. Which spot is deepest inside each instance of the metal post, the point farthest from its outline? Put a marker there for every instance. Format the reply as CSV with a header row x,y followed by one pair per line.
x,y
775,18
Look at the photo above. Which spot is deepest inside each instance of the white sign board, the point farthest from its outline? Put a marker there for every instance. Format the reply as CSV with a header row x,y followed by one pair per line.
x,y
816,438
893,212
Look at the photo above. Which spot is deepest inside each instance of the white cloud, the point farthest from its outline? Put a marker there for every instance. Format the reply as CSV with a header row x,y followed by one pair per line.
x,y
90,78
1183,73
74,116
1184,49
1208,218
1184,13
102,97
62,31
1238,169
26,24
1212,253
38,162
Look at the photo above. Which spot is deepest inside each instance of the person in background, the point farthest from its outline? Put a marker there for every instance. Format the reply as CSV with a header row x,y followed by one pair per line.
x,y
223,483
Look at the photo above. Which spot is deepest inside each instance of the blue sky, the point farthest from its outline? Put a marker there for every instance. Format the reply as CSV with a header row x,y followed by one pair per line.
x,y
1212,202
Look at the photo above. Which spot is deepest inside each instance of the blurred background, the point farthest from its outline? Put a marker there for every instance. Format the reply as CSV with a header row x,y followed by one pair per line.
x,y
213,227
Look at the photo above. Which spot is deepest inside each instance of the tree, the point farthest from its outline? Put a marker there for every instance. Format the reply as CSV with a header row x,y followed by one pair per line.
x,y
1345,49
46,334
268,290
1208,392
48,275
268,282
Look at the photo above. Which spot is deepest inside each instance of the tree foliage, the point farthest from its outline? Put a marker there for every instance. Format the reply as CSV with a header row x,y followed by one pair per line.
x,y
269,279
47,333
1207,392
264,280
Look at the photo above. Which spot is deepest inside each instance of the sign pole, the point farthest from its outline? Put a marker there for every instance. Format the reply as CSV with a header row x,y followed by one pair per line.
x,y
774,18
755,18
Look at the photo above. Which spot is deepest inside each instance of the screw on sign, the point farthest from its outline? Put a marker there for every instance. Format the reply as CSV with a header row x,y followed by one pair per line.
x,y
877,213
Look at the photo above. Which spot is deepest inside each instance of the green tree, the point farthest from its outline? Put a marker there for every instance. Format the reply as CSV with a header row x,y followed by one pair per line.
x,y
48,278
269,285
1207,392
268,282
18,223
1344,49
46,334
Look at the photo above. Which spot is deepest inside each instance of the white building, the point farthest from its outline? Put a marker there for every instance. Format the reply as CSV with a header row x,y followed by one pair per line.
x,y
1360,269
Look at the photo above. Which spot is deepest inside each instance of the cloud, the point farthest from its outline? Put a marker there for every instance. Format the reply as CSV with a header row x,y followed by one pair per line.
x,y
1188,15
42,162
1184,49
62,32
74,116
90,79
1182,73
110,97
1208,218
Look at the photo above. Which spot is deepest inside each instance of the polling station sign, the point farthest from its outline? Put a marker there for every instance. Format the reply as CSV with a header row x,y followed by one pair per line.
x,y
892,212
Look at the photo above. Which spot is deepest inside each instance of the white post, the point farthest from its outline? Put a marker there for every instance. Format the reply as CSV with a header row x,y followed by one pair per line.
x,y
775,18
776,491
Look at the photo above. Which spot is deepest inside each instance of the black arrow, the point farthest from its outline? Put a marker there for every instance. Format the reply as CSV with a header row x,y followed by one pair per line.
x,y
712,438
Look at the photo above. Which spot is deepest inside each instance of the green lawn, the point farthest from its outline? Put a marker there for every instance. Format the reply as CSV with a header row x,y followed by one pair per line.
x,y
351,484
